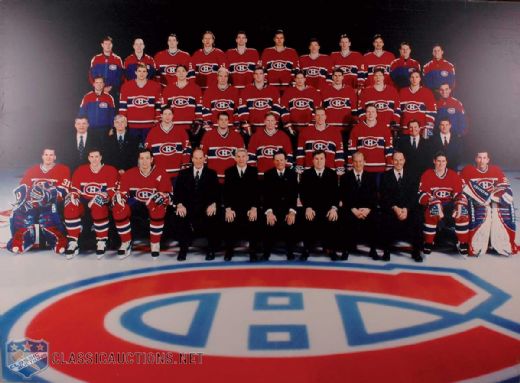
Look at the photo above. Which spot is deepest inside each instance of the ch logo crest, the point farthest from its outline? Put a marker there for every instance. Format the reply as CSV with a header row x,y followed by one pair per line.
x,y
27,357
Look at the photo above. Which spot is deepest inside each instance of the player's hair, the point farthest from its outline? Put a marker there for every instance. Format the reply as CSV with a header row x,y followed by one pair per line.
x,y
106,38
94,149
120,117
242,32
396,151
314,40
259,67
338,70
280,151
141,65
414,71
223,113
405,43
197,149
320,108
222,69
181,66
438,45
445,83
145,150
318,152
208,32
98,77
173,35
344,36
414,121
81,118
296,73
269,114
482,150
240,150
48,147
166,107
138,38
438,154
358,154
370,105
377,36
379,70
444,119
279,32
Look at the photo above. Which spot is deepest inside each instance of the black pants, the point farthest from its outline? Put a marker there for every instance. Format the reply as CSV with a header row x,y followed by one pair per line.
x,y
355,230
280,231
198,224
241,228
320,229
393,229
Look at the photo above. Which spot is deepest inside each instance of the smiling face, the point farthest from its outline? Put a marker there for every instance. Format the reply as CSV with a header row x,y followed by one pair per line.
x,y
94,158
279,161
172,43
107,45
440,163
378,44
241,158
145,161
437,52
358,162
198,158
398,161
48,157
138,46
405,51
81,125
318,161
208,40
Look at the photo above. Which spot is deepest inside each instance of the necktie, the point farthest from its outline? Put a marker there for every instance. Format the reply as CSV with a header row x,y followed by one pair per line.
x,y
197,179
445,141
359,179
241,173
414,143
280,174
81,146
319,174
120,141
399,178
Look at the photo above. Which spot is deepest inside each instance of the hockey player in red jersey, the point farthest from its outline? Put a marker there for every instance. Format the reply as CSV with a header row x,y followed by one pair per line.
x,y
92,187
451,108
137,57
37,196
207,61
299,103
220,145
185,99
316,66
169,144
321,137
340,102
384,97
257,100
350,62
221,97
143,188
378,58
169,59
281,62
440,192
140,103
374,140
241,62
266,142
491,208
401,67
417,103
438,71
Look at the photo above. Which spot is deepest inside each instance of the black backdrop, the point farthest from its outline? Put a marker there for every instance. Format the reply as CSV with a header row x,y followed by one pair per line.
x,y
47,46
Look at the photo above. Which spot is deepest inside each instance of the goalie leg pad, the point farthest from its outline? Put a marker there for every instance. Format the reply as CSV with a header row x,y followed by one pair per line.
x,y
503,228
480,228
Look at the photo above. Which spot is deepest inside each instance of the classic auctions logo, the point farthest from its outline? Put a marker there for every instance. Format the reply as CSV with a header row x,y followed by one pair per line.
x,y
258,318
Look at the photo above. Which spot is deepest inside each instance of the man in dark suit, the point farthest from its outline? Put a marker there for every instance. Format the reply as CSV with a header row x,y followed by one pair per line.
x,y
417,151
320,200
76,149
448,143
197,196
241,199
279,201
400,209
359,201
120,148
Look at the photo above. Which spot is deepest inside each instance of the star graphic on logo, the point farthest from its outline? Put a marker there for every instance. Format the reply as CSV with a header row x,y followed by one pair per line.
x,y
40,347
14,347
27,346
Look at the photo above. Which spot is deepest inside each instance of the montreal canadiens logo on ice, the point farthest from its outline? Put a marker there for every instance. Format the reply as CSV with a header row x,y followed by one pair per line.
x,y
267,313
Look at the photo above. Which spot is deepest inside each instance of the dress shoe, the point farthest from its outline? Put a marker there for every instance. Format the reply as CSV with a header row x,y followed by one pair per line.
x,y
228,255
304,255
373,254
416,255
344,255
266,256
290,255
386,256
253,257
210,255
332,254
181,256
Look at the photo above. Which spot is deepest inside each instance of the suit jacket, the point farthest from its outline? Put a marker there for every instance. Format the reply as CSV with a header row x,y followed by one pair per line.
x,y
241,193
319,193
417,160
121,158
354,196
395,194
72,156
280,194
452,151
196,199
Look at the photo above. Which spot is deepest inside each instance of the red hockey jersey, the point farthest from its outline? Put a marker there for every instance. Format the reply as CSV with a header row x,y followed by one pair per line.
x,y
317,71
255,103
131,62
443,189
141,106
216,101
166,64
88,184
241,66
479,184
186,103
170,148
263,146
299,105
418,106
221,149
206,66
136,185
58,176
371,62
340,105
329,140
376,145
385,101
352,66
280,66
